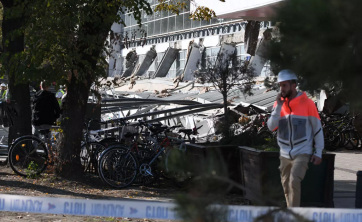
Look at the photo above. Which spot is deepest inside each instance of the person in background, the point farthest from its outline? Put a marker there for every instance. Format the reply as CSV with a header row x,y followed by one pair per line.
x,y
65,94
45,109
3,94
3,91
300,135
59,95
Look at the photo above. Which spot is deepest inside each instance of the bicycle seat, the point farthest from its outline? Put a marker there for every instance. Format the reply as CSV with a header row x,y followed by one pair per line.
x,y
156,125
186,131
158,129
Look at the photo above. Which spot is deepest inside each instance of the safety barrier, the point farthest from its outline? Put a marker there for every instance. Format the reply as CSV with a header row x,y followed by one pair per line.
x,y
154,209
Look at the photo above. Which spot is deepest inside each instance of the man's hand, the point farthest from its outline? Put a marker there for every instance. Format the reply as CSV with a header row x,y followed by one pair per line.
x,y
279,99
316,160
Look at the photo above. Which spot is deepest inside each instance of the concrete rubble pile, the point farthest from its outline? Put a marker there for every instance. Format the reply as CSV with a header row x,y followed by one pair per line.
x,y
166,102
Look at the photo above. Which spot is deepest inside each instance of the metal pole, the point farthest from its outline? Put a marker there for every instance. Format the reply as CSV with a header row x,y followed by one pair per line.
x,y
359,190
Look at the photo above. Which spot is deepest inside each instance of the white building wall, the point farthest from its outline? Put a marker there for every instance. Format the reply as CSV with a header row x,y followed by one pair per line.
x,y
115,60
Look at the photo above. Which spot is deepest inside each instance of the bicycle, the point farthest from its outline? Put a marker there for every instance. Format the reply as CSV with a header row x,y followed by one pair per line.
x,y
188,132
31,152
119,166
352,139
339,131
94,144
91,148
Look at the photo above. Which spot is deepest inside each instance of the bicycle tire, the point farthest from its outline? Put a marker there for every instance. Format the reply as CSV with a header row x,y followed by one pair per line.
x,y
354,139
24,151
359,146
332,138
89,154
343,138
144,156
117,166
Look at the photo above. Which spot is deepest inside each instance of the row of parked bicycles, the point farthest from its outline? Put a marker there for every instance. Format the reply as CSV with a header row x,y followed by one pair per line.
x,y
340,132
138,152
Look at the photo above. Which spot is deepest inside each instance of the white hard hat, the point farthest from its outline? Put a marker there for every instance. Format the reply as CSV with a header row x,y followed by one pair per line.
x,y
286,74
3,85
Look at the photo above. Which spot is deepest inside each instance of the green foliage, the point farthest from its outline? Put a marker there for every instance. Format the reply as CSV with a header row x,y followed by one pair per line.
x,y
203,13
1,19
268,144
263,140
320,42
225,74
208,187
176,6
67,38
192,209
32,170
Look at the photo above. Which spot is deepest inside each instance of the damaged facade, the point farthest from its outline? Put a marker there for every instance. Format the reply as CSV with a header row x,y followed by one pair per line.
x,y
169,45
159,59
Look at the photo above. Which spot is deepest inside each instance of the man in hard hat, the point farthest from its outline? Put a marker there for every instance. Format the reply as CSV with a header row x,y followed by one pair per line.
x,y
300,135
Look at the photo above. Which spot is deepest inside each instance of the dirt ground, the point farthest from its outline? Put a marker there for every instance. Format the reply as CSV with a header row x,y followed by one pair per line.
x,y
90,187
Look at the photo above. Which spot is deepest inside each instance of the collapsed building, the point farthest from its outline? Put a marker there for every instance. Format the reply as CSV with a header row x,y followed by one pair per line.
x,y
160,59
169,45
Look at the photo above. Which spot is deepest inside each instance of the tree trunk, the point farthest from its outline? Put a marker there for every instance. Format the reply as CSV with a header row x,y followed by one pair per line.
x,y
20,101
68,163
19,93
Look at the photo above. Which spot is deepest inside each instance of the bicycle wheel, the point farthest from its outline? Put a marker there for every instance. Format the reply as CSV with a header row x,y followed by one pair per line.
x,y
358,139
89,154
332,138
146,173
28,155
354,139
117,166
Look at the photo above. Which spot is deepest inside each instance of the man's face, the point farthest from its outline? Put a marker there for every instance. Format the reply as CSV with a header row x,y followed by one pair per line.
x,y
3,88
286,89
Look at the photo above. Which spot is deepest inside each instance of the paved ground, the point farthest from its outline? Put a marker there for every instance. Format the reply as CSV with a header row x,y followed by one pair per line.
x,y
347,163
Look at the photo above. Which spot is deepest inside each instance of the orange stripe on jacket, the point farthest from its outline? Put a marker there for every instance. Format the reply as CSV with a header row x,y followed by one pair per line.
x,y
307,108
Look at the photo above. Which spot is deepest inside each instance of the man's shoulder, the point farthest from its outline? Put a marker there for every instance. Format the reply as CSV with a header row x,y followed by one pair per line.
x,y
48,93
43,95
305,98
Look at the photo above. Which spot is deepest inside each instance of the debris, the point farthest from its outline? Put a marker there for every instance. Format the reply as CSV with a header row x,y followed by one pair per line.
x,y
177,80
132,83
140,90
162,95
200,80
205,89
